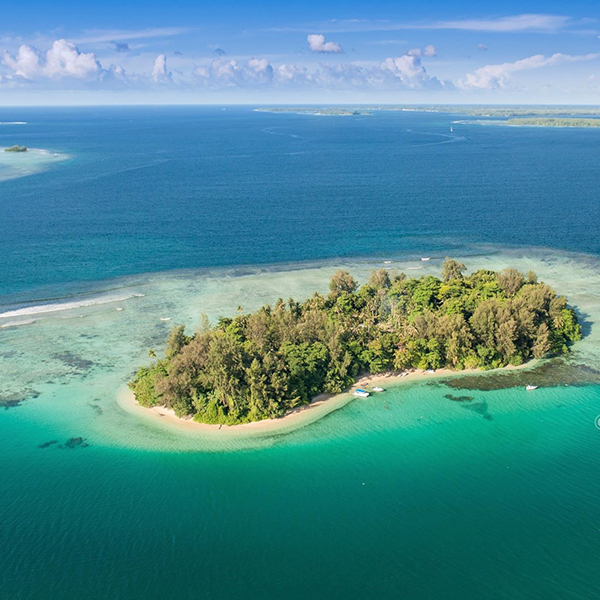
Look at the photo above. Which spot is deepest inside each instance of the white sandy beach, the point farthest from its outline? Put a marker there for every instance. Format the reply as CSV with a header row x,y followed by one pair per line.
x,y
299,417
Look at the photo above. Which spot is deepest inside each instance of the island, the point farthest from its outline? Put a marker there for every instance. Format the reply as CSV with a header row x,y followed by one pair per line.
x,y
553,122
516,111
267,363
502,111
569,112
16,148
321,112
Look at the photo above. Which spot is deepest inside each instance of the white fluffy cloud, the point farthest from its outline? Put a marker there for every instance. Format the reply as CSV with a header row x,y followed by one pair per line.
x,y
499,76
317,43
292,74
429,50
160,73
409,71
222,73
404,72
63,59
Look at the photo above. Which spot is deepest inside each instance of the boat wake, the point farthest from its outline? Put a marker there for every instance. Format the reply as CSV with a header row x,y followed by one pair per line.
x,y
274,131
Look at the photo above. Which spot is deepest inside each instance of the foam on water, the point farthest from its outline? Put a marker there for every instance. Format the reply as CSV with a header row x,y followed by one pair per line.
x,y
17,323
40,309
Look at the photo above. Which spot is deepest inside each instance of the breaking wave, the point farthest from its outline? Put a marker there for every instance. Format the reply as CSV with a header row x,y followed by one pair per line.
x,y
39,309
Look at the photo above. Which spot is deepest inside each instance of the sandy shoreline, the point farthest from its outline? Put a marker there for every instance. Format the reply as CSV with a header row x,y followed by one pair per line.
x,y
299,417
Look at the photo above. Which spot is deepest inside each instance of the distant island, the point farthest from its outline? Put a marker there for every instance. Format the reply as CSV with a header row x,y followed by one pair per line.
x,y
263,364
16,149
554,122
469,110
327,111
517,111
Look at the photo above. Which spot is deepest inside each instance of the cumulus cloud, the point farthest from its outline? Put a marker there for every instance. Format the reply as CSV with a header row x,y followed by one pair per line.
x,y
116,74
292,75
429,50
404,72
317,43
499,76
63,59
160,73
26,63
409,71
64,66
232,73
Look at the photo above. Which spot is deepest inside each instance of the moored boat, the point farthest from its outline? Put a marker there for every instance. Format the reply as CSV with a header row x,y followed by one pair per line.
x,y
361,393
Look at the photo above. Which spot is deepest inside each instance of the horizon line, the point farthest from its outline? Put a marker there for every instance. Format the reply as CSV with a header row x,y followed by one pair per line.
x,y
274,104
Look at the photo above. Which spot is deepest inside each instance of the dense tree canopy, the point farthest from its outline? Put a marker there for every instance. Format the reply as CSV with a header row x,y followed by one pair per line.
x,y
263,364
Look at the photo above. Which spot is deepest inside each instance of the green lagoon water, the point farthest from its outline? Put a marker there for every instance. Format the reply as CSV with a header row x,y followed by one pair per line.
x,y
410,494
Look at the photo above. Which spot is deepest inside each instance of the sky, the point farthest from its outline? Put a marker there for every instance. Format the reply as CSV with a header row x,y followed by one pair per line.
x,y
278,52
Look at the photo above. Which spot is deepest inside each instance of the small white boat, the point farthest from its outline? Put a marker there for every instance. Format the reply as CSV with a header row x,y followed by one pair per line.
x,y
378,389
426,258
429,371
165,318
451,130
361,393
530,388
119,308
404,374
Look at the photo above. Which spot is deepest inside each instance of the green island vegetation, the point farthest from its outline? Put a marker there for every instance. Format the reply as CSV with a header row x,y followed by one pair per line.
x,y
469,110
16,148
261,365
552,122
514,111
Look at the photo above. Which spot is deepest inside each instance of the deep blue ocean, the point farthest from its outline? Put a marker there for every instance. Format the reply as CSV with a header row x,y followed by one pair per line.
x,y
121,222
151,189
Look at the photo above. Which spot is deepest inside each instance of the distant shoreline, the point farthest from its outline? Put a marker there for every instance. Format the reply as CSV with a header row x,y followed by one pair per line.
x,y
301,416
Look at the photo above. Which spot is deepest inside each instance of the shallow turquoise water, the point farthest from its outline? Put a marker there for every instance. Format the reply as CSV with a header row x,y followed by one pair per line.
x,y
425,498
406,495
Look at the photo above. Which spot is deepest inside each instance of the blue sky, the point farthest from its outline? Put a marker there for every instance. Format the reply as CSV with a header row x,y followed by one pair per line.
x,y
291,52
